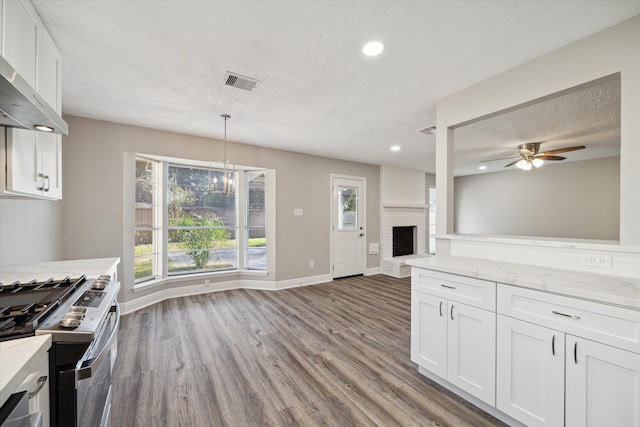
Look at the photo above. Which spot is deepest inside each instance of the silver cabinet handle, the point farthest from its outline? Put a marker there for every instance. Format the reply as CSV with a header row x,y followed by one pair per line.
x,y
451,312
575,352
573,316
48,187
553,345
440,308
40,175
447,286
41,382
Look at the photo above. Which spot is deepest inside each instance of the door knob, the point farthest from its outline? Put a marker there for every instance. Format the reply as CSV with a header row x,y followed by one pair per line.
x,y
361,234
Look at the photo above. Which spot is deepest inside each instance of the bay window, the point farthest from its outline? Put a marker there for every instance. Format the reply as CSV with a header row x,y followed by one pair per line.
x,y
185,223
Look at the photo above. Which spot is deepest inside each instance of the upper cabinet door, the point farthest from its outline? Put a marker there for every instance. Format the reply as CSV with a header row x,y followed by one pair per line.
x,y
21,30
49,84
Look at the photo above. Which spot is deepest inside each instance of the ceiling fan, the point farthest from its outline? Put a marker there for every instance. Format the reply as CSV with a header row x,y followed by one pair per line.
x,y
530,155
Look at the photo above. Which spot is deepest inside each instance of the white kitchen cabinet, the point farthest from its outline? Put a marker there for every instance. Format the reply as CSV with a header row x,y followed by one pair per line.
x,y
602,385
451,339
471,359
586,382
429,332
33,164
49,78
37,385
530,373
21,35
33,160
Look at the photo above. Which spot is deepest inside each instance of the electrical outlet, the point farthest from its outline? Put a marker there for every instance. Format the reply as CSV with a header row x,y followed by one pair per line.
x,y
312,264
598,261
207,284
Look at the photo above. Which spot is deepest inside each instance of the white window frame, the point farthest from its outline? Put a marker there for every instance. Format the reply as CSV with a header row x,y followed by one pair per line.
x,y
161,239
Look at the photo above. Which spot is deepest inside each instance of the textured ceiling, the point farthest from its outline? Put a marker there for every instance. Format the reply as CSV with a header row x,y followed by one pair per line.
x,y
587,115
161,64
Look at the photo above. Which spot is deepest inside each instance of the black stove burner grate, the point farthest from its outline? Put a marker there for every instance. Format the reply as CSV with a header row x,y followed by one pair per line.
x,y
23,306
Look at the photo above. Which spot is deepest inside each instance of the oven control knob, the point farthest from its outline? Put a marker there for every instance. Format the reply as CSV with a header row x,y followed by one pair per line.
x,y
74,317
100,283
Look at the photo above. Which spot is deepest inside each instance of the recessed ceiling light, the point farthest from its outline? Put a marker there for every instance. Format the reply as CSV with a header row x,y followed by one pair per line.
x,y
483,167
395,148
373,48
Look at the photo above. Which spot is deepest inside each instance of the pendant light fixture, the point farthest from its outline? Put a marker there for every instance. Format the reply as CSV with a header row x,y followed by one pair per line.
x,y
228,174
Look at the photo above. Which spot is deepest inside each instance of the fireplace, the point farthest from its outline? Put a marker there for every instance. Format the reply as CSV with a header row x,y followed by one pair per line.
x,y
404,240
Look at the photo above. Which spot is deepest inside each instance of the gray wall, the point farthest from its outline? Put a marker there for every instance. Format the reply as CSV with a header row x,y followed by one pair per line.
x,y
30,231
94,214
566,200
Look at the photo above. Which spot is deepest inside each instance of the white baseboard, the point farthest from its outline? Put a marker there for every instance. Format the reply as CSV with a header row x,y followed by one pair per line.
x,y
472,399
371,271
182,291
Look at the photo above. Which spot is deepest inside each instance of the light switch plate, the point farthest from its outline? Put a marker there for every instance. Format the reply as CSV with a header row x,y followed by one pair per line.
x,y
298,212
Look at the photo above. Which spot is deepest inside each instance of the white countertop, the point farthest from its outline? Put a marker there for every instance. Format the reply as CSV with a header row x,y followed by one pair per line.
x,y
624,291
17,359
92,268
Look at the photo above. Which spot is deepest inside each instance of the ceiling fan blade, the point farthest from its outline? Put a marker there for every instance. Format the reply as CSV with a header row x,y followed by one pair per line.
x,y
512,163
563,150
502,158
545,157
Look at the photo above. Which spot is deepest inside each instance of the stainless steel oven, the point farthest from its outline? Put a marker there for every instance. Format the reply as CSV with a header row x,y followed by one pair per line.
x,y
86,387
82,317
84,330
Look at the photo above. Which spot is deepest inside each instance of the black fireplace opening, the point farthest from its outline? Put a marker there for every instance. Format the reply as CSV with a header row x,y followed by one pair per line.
x,y
403,243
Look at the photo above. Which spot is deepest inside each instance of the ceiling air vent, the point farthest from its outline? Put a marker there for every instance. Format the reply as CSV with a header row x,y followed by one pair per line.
x,y
428,130
239,81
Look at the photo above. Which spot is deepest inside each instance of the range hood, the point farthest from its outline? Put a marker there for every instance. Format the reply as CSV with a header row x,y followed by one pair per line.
x,y
22,107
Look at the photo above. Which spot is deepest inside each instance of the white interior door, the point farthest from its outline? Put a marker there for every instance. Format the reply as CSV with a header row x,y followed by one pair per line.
x,y
348,230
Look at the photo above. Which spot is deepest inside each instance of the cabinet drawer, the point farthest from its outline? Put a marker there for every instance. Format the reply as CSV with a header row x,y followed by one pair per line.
x,y
474,292
616,326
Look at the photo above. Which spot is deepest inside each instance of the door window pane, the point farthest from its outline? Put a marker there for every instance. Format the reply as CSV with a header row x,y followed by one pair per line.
x,y
348,208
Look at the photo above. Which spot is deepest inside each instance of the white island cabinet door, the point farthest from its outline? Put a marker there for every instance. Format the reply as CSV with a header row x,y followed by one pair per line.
x,y
429,332
602,385
472,350
530,372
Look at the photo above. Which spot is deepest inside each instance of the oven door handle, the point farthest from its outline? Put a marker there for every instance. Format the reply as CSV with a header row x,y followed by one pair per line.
x,y
87,367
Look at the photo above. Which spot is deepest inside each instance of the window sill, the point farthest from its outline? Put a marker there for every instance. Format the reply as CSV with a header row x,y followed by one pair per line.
x,y
139,287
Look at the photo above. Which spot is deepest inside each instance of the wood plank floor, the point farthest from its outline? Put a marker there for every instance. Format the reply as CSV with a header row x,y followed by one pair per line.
x,y
335,354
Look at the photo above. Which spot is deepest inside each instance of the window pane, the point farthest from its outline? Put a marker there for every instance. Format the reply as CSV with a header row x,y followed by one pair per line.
x,y
256,244
144,230
348,208
201,220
